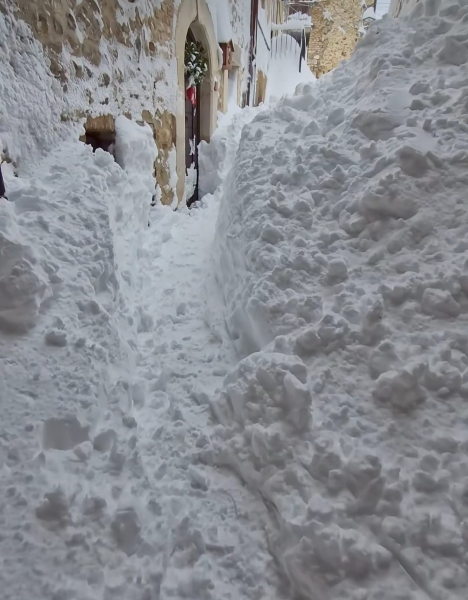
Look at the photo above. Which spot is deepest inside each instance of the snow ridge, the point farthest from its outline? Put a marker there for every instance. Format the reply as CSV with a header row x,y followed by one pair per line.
x,y
342,251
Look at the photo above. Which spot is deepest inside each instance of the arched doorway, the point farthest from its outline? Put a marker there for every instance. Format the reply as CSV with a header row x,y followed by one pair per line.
x,y
194,19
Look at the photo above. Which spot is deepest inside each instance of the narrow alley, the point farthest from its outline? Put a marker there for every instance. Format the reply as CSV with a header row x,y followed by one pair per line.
x,y
234,363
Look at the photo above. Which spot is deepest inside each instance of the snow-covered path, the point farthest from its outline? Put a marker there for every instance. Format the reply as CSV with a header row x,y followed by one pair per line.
x,y
112,346
212,527
302,437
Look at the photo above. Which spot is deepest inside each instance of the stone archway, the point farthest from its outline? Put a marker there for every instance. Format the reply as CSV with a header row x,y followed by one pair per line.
x,y
195,14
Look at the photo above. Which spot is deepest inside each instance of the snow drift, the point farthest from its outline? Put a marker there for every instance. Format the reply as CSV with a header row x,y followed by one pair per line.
x,y
283,72
342,251
106,365
69,238
217,157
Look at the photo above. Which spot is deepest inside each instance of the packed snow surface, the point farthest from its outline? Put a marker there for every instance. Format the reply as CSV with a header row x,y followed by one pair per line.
x,y
342,251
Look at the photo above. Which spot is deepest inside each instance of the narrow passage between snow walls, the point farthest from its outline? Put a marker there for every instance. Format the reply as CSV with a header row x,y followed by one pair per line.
x,y
112,342
290,424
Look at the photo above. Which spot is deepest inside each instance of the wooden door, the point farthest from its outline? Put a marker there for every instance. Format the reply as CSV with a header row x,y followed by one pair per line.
x,y
192,135
192,139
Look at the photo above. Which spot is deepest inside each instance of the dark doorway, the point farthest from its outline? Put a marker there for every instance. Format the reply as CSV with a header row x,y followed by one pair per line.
x,y
192,136
101,139
192,139
2,184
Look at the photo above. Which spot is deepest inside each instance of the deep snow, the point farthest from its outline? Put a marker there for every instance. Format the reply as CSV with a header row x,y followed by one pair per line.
x,y
342,253
111,344
289,423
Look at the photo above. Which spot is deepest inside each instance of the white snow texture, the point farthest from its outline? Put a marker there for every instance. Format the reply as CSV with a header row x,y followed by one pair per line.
x,y
342,252
283,73
280,415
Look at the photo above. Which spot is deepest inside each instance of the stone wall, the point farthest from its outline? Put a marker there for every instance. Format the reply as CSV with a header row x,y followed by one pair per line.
x,y
107,58
83,24
111,57
335,33
164,129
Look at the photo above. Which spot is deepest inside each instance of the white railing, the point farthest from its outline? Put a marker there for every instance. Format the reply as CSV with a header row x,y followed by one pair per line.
x,y
292,33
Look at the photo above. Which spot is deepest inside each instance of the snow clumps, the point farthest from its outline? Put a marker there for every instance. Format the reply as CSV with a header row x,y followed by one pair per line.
x,y
342,249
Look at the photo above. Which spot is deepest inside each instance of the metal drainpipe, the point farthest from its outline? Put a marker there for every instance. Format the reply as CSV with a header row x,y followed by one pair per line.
x,y
253,28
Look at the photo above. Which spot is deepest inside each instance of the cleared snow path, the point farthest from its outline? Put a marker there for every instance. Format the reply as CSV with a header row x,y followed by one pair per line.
x,y
111,348
211,528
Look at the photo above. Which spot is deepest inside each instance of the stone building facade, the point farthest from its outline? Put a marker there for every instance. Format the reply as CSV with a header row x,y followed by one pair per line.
x,y
111,57
336,29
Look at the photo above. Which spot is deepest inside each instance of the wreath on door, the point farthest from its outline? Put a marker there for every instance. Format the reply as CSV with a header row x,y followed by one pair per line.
x,y
196,66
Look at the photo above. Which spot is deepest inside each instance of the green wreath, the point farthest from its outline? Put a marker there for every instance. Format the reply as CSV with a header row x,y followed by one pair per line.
x,y
196,64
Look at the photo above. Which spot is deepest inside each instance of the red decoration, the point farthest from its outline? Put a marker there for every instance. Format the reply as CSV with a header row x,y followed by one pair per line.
x,y
192,95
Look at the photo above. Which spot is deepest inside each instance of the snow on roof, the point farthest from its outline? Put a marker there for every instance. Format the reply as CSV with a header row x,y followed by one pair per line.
x,y
303,19
221,15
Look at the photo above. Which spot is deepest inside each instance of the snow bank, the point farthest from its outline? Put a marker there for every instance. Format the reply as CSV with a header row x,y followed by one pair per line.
x,y
283,73
135,152
216,158
24,284
106,362
342,253
69,240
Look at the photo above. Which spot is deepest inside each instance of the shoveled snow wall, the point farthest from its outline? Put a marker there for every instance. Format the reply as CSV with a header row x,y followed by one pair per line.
x,y
70,240
342,249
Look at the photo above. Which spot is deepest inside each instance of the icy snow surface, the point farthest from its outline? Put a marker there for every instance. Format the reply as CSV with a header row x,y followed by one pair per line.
x,y
342,250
